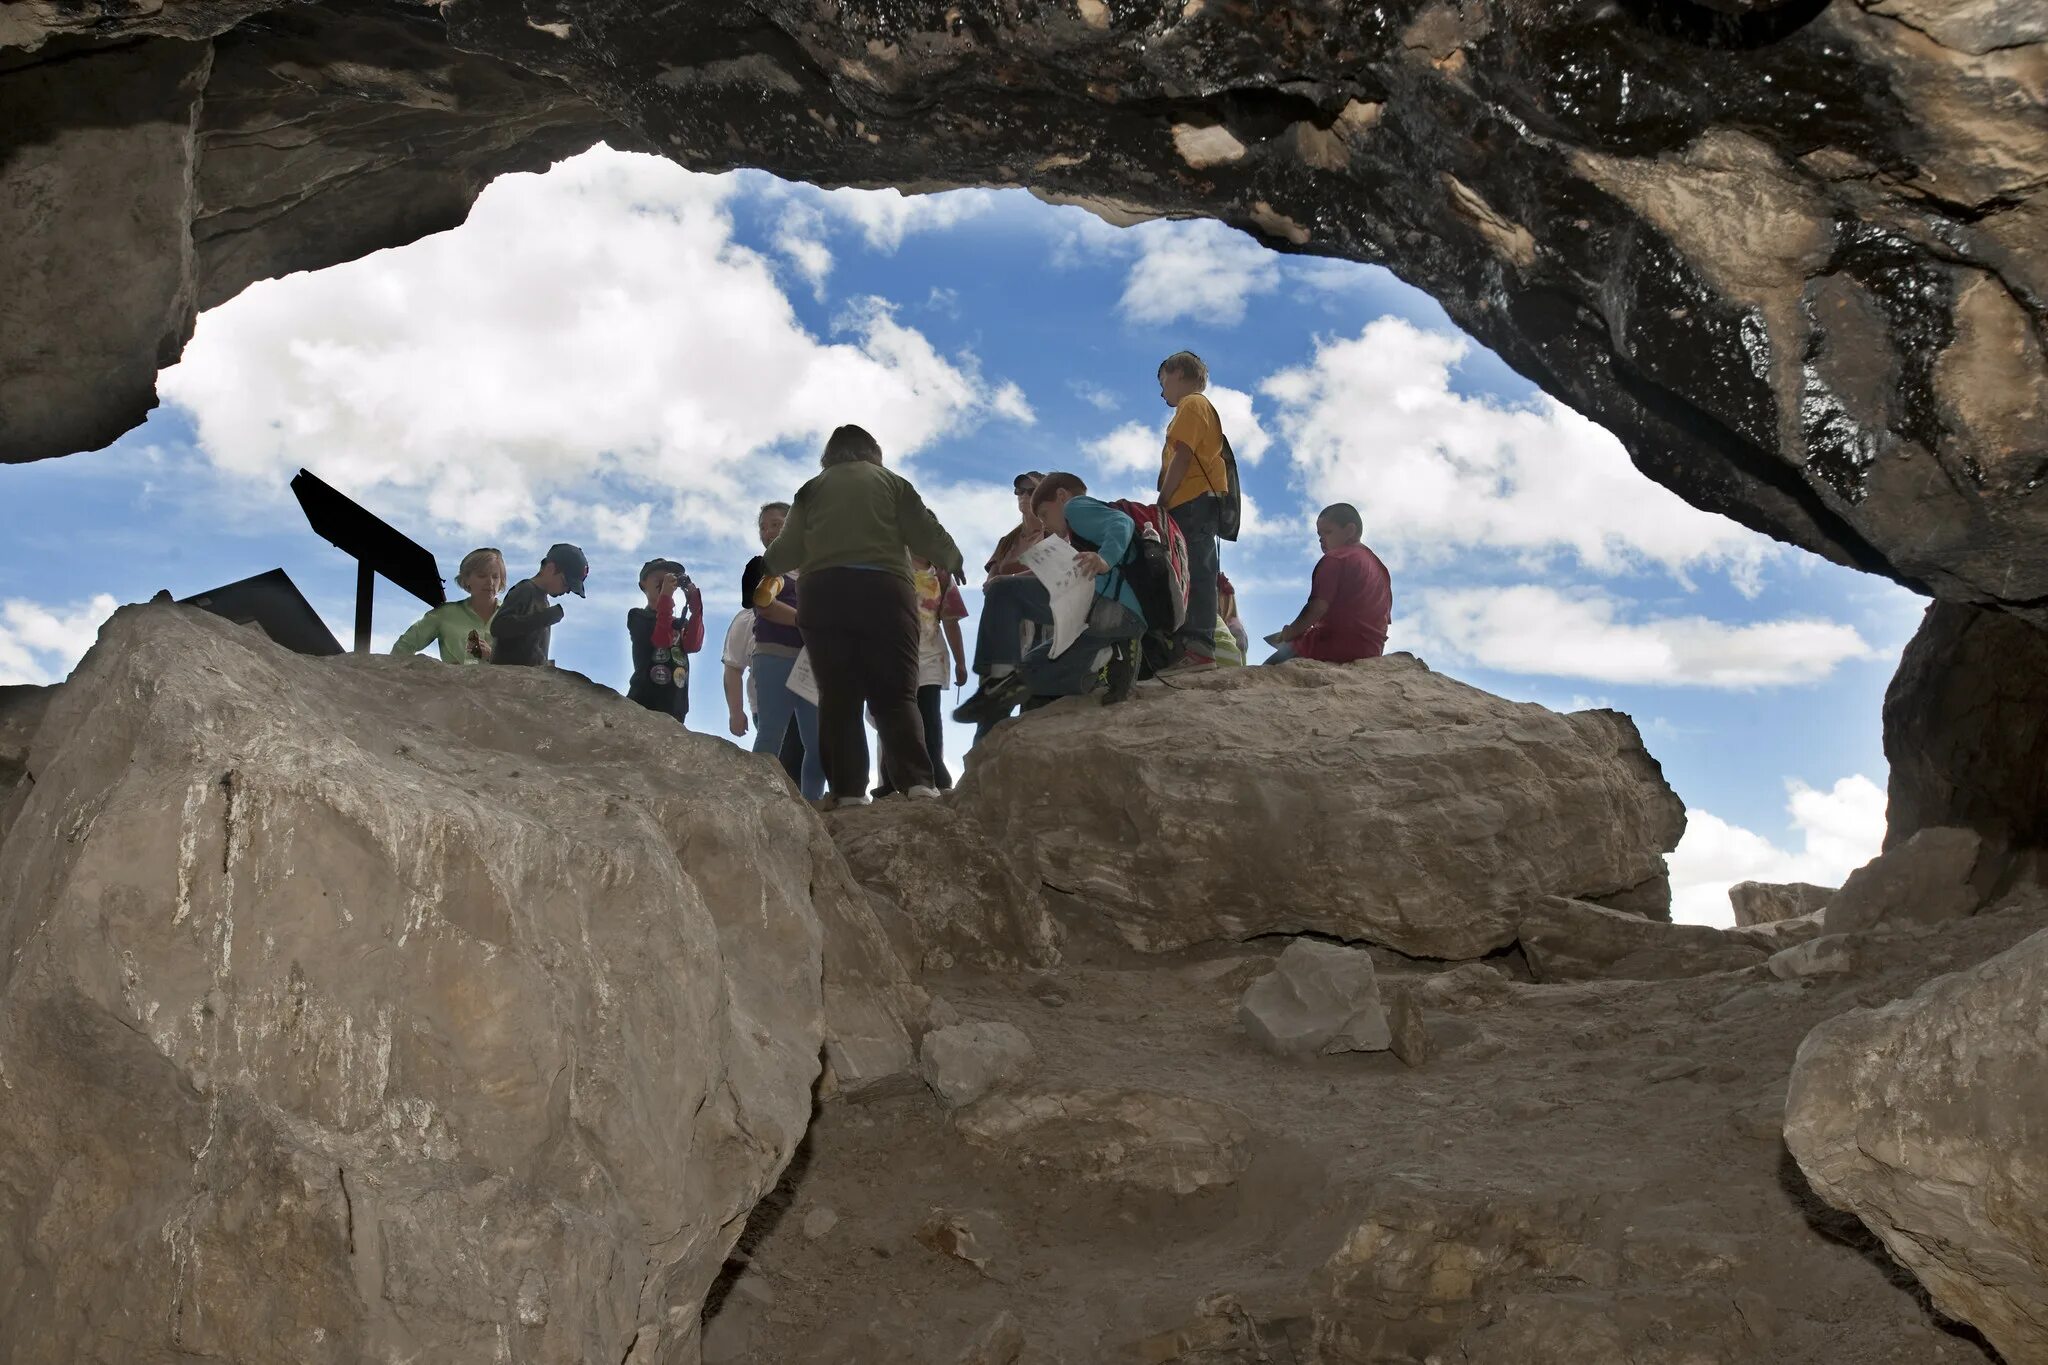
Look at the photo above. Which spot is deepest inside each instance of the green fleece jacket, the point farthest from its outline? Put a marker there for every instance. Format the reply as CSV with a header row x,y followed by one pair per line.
x,y
860,514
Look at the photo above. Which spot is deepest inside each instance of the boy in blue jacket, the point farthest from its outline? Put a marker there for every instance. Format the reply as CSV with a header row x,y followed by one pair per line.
x,y
1115,621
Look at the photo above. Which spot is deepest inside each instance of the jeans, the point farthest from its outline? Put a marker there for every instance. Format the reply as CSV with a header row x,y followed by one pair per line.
x,y
1006,606
1198,519
860,626
930,706
779,706
1079,669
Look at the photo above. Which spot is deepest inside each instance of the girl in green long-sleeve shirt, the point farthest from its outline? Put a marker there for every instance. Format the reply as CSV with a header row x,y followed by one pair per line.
x,y
462,628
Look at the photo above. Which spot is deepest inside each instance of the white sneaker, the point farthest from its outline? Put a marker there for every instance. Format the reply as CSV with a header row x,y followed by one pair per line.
x,y
923,793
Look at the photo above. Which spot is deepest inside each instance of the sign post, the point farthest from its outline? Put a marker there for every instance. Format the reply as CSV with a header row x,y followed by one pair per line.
x,y
376,546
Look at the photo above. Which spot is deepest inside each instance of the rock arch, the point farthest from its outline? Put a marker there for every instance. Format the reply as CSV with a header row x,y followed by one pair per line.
x,y
1792,253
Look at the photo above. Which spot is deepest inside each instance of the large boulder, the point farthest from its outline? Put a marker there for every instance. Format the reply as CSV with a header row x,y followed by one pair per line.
x,y
368,1009
1374,801
1939,874
1966,728
21,712
1928,1119
1770,902
1568,940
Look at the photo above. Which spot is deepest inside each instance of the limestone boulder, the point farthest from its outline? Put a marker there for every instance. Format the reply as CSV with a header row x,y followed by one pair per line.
x,y
1377,801
1569,940
1931,878
1144,1139
961,900
1769,902
963,1062
1928,1119
364,1008
1320,998
1966,728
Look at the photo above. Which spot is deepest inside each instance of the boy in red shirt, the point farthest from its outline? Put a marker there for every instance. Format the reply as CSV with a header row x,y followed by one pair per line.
x,y
1350,600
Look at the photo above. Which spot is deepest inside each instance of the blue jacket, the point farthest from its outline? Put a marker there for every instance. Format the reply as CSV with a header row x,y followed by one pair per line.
x,y
1110,531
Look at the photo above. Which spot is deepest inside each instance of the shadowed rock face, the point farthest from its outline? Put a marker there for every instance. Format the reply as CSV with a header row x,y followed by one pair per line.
x,y
1791,251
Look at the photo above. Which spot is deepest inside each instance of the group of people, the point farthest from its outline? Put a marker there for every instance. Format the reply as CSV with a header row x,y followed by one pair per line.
x,y
858,585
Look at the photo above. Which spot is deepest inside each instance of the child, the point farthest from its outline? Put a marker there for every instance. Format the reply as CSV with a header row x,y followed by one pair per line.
x,y
462,628
939,614
662,642
524,620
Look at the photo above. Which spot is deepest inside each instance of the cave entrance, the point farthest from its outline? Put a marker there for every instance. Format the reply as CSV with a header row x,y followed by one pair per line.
x,y
629,355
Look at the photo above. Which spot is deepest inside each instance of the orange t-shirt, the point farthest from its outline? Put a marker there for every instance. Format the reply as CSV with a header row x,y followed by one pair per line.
x,y
1195,425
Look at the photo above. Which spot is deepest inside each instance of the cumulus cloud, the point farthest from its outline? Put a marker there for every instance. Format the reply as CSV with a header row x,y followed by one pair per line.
x,y
886,217
1200,272
1544,632
1009,401
1840,829
41,644
800,236
590,340
1094,395
1374,420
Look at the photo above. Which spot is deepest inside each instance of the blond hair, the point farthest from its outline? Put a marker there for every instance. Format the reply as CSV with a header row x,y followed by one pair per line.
x,y
475,558
1188,366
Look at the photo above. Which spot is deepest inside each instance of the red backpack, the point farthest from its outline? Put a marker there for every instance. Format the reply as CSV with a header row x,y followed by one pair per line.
x,y
1156,566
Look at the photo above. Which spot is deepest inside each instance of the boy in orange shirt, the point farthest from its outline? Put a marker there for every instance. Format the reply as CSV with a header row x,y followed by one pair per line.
x,y
1192,480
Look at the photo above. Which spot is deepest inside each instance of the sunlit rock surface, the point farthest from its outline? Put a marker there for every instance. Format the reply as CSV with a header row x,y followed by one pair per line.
x,y
371,1009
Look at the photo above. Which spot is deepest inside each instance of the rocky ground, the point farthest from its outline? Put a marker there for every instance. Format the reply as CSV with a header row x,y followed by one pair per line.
x,y
1591,1173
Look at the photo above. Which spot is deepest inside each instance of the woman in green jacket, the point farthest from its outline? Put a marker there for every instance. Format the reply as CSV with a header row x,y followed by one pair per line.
x,y
462,628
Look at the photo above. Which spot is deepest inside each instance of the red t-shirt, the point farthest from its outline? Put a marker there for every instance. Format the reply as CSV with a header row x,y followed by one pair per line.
x,y
1355,584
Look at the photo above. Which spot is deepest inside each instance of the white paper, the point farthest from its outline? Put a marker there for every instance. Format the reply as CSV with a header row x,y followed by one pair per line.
x,y
1071,590
802,680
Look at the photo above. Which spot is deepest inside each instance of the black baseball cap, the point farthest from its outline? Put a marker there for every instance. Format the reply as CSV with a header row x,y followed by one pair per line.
x,y
664,565
569,559
1026,481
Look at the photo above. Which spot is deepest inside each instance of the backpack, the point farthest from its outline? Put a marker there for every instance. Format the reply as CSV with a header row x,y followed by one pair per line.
x,y
1231,517
1156,567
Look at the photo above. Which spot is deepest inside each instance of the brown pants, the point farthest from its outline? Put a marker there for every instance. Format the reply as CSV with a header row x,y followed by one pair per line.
x,y
860,626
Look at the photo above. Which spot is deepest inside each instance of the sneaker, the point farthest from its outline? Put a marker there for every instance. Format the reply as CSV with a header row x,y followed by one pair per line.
x,y
992,700
923,793
1123,674
1186,660
825,805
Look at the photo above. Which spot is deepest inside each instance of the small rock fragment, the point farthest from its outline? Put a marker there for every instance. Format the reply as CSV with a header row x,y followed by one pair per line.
x,y
1319,998
971,1235
966,1061
819,1222
1001,1342
1405,1025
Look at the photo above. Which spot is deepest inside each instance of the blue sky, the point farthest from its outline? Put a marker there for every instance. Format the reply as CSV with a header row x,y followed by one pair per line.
x,y
630,356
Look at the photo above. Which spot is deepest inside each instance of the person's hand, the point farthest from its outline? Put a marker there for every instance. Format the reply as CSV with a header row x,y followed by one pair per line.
x,y
1091,563
737,723
960,673
1276,639
959,576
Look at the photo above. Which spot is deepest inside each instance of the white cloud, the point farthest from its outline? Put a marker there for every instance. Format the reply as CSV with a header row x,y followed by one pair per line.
x,y
1541,631
1199,272
1094,395
590,340
886,216
1009,401
1373,420
1840,829
1132,448
40,644
800,236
